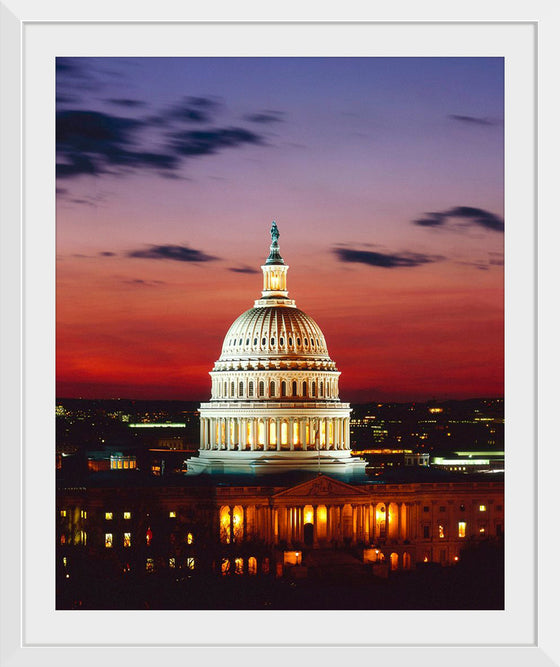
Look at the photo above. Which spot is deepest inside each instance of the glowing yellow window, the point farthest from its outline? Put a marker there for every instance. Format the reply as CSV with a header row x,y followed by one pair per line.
x,y
108,540
190,563
83,514
126,540
171,562
190,538
62,512
126,515
441,531
108,516
172,515
462,528
482,530
482,508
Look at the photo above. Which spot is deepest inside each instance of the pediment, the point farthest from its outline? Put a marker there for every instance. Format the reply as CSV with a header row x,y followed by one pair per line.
x,y
321,486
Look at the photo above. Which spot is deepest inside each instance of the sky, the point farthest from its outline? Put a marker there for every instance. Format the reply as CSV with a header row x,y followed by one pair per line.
x,y
384,175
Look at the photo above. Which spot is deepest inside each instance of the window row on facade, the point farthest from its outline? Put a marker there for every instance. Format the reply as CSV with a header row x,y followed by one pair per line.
x,y
275,388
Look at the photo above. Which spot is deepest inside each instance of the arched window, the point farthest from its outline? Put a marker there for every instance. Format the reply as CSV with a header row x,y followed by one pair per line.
x,y
290,341
283,388
304,389
271,341
264,342
294,388
261,388
313,389
232,392
273,389
281,342
299,341
321,389
305,342
241,388
251,388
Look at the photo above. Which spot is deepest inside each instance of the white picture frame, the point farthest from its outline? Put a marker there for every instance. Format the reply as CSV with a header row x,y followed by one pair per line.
x,y
33,633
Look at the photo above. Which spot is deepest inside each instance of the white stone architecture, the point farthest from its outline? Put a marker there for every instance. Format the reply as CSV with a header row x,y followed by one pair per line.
x,y
275,405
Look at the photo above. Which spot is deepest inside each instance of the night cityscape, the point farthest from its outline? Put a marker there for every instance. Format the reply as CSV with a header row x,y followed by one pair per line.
x,y
348,454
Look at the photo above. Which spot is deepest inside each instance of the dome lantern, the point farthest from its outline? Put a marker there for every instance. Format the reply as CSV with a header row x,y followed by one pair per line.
x,y
275,291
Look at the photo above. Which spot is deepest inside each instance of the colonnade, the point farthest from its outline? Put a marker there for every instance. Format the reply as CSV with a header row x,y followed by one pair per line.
x,y
316,385
274,433
314,524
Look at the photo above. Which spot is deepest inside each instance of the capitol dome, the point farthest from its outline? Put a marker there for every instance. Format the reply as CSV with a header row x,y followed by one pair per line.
x,y
274,405
276,336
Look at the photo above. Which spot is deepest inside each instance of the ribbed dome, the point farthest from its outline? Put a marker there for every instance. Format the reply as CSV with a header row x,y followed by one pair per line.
x,y
274,331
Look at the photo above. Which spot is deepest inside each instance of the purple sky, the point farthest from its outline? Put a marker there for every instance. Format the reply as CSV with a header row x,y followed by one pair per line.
x,y
385,176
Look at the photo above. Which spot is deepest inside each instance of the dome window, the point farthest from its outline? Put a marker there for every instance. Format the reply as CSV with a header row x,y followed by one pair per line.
x,y
261,388
273,389
264,341
283,388
272,341
312,343
290,341
313,389
232,393
304,389
281,342
251,388
305,342
234,341
241,388
255,342
321,389
294,388
299,341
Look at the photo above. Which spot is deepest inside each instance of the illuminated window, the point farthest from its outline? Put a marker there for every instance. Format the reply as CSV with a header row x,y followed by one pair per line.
x,y
462,528
171,562
252,565
190,563
239,566
83,514
190,538
149,564
441,531
63,513
482,530
63,539
172,514
482,508
126,515
126,540
108,540
108,515
148,537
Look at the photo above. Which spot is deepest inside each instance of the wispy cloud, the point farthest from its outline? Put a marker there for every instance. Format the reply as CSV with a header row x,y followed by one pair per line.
x,y
383,259
265,117
466,215
473,120
243,269
178,253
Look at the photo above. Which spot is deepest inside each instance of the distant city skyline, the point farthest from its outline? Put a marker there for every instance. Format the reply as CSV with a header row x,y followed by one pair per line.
x,y
385,176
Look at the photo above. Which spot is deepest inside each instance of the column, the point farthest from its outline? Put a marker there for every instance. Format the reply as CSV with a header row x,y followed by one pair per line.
x,y
278,436
291,433
387,520
329,523
253,434
244,508
399,522
228,432
266,433
314,525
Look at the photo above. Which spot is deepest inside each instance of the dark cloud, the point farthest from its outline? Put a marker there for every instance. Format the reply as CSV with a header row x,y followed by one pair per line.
x,y
91,142
178,253
208,142
125,102
146,283
266,116
190,110
106,253
468,215
384,260
243,269
472,120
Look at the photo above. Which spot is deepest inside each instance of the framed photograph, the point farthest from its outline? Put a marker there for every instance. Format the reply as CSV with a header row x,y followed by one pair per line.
x,y
56,61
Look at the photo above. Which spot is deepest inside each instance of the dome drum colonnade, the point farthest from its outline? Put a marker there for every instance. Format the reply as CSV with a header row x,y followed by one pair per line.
x,y
275,404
